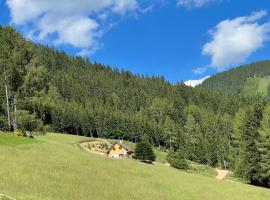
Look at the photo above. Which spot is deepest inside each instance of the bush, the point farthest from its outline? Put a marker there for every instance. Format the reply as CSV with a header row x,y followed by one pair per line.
x,y
19,132
27,121
3,123
144,152
177,159
104,146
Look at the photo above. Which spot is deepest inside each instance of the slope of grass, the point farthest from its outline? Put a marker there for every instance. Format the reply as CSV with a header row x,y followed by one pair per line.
x,y
54,168
263,85
10,140
200,169
256,85
161,155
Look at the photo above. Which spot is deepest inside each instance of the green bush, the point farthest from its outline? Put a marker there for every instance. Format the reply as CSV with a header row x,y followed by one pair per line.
x,y
177,159
27,121
104,146
144,152
19,132
3,123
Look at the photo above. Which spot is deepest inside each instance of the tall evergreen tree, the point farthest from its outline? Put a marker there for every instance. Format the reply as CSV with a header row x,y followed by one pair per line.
x,y
263,146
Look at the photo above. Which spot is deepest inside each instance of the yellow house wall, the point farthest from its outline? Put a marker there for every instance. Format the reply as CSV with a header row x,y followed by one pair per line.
x,y
117,150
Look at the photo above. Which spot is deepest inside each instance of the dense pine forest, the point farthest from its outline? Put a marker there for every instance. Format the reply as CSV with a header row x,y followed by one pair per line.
x,y
43,89
235,79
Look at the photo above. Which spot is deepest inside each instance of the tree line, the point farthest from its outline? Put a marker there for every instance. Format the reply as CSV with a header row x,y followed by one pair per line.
x,y
235,79
47,90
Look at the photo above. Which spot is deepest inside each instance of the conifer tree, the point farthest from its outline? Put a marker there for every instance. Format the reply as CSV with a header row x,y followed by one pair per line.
x,y
177,159
264,149
144,152
247,166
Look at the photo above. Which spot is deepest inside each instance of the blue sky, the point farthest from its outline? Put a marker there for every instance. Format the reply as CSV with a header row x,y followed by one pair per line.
x,y
177,39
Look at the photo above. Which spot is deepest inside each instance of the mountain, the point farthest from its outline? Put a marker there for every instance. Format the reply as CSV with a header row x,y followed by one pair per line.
x,y
194,83
236,78
75,96
43,89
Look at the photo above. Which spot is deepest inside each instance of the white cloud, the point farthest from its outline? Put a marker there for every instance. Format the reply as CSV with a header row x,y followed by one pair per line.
x,y
124,6
79,24
200,70
233,41
194,83
194,3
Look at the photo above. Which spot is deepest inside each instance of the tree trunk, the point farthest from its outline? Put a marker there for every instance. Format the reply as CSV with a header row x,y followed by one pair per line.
x,y
8,111
15,119
225,164
170,141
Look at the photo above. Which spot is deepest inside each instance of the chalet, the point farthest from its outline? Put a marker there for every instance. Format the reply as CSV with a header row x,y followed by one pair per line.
x,y
118,150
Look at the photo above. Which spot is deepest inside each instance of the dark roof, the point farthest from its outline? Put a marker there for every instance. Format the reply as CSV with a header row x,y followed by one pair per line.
x,y
122,145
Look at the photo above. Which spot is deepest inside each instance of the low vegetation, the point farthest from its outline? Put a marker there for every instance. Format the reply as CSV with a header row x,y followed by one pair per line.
x,y
53,167
11,140
177,159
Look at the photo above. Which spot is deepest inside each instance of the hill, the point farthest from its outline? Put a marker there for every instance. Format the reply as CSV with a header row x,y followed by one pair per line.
x,y
235,79
73,95
42,89
257,86
52,167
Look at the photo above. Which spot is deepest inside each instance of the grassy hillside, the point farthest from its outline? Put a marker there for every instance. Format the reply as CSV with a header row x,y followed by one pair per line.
x,y
256,85
161,154
52,167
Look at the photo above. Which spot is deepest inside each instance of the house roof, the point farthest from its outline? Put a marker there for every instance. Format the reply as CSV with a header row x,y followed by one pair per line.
x,y
122,145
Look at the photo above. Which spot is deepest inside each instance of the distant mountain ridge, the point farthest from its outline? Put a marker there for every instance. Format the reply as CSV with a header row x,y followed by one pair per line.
x,y
235,79
194,83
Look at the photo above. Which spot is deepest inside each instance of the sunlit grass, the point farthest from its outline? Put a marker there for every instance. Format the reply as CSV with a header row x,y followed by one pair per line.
x,y
53,167
11,140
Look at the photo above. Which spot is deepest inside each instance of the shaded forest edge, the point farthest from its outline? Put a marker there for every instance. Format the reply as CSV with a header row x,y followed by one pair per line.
x,y
48,90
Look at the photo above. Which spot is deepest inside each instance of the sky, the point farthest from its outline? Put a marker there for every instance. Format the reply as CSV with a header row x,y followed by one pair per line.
x,y
177,39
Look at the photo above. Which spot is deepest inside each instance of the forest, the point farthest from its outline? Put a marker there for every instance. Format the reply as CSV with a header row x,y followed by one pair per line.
x,y
43,89
235,79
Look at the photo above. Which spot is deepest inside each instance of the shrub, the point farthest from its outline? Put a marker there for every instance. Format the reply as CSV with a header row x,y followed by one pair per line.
x,y
177,159
104,146
3,123
144,152
27,121
19,132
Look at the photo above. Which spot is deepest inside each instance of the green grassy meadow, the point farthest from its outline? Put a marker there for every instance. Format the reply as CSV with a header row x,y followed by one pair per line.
x,y
53,167
256,85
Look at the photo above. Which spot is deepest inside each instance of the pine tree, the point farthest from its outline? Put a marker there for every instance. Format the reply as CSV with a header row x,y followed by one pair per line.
x,y
264,149
238,131
196,145
247,166
177,159
169,131
144,152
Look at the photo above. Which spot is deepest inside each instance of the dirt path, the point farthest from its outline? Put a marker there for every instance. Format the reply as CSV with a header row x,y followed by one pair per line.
x,y
221,174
